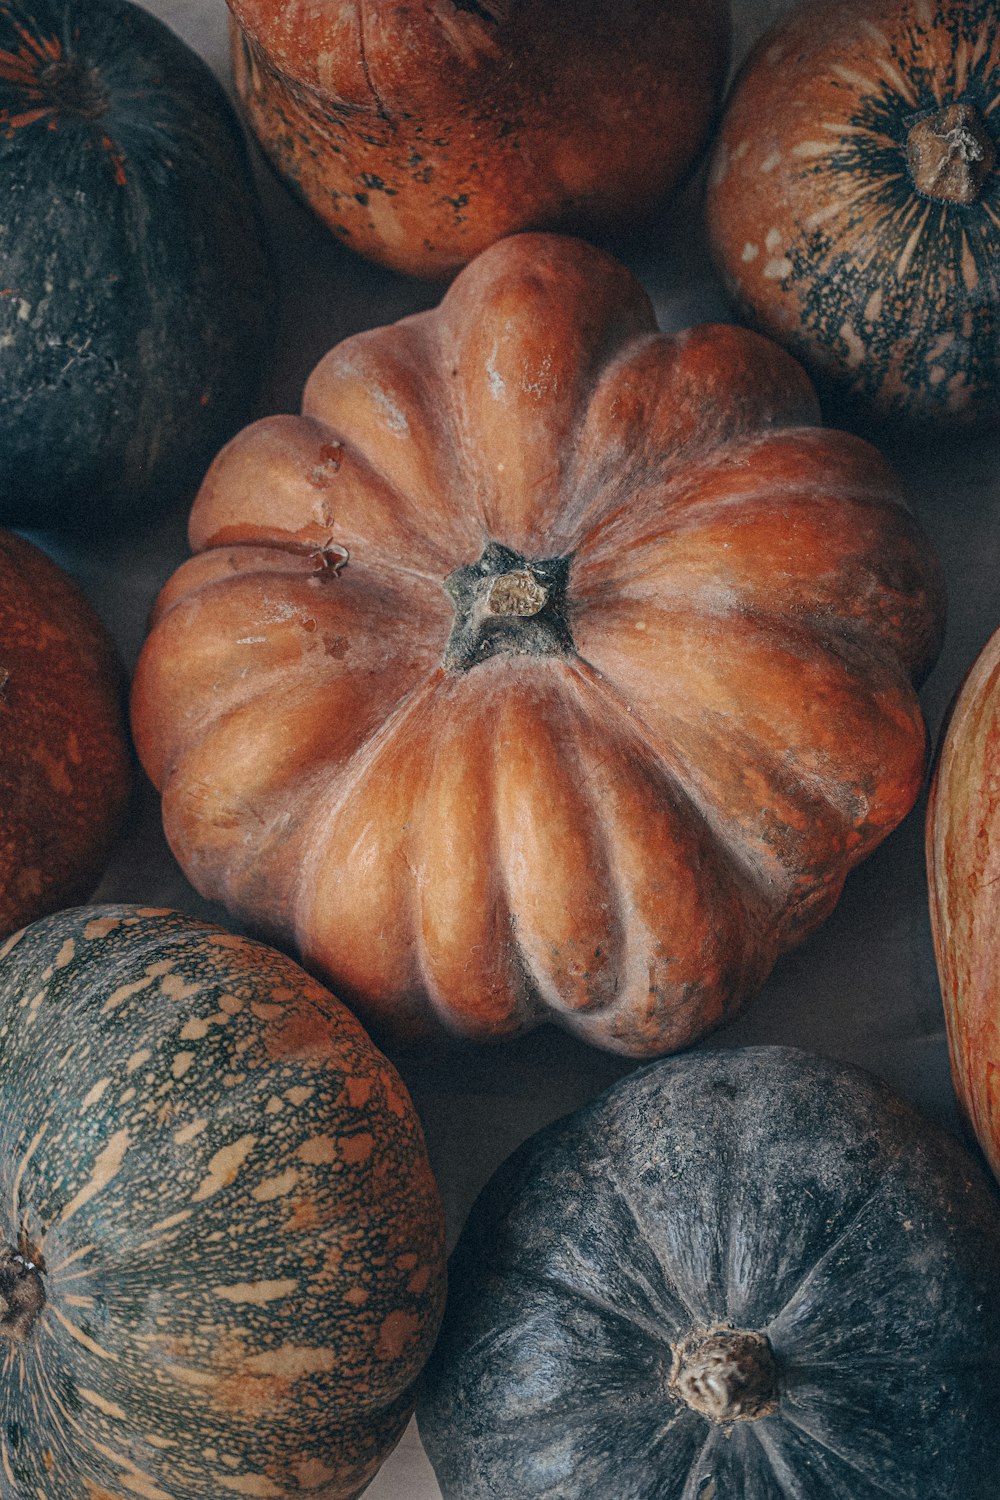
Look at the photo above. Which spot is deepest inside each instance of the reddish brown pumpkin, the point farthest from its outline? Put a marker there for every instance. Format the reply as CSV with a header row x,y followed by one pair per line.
x,y
421,131
64,766
546,668
963,862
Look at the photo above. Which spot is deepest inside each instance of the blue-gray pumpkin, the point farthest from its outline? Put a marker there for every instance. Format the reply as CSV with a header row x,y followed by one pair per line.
x,y
743,1275
134,282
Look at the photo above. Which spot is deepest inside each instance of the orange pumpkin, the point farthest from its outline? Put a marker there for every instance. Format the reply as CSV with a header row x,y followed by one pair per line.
x,y
64,764
963,862
423,130
546,667
854,202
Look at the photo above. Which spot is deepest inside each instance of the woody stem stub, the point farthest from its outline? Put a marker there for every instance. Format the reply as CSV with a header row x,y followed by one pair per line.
x,y
506,604
726,1374
950,154
22,1294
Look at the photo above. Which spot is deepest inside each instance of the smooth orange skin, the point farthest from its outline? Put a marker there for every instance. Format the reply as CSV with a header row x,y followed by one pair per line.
x,y
64,763
422,131
622,839
963,869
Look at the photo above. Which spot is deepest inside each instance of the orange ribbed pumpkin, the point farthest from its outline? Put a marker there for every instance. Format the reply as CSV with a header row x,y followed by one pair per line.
x,y
963,862
546,668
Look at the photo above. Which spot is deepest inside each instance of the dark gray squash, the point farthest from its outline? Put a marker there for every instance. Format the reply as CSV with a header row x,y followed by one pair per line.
x,y
134,284
743,1275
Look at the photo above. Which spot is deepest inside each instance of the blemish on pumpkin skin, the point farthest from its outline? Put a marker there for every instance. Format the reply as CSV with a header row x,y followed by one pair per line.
x,y
318,1151
189,1132
106,1165
225,1167
356,1148
66,954
181,1063
396,1331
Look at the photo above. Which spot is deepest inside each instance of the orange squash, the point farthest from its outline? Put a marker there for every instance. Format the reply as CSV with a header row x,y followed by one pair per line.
x,y
421,131
963,864
64,762
854,203
546,667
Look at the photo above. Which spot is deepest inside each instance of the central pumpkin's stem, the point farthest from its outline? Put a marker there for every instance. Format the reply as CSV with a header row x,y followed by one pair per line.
x,y
22,1294
951,153
726,1374
506,604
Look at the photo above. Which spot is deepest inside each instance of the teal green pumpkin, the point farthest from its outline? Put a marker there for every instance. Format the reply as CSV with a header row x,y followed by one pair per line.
x,y
134,282
222,1250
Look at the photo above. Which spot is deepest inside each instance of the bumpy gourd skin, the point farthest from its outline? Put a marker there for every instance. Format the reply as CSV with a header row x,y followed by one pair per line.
x,y
64,762
421,131
221,1191
546,667
135,292
762,1192
854,204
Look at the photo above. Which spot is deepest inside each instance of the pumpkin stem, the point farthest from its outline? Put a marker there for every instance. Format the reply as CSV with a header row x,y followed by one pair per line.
x,y
726,1374
507,605
75,89
950,154
22,1294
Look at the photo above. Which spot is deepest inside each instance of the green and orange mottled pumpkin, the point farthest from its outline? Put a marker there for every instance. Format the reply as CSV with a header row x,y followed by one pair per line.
x,y
854,202
221,1247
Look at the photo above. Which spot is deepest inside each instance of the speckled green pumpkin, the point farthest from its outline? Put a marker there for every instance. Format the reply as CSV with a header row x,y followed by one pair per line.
x,y
134,285
221,1262
854,204
744,1275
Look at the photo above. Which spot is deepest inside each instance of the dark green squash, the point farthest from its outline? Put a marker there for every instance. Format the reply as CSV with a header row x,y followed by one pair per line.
x,y
745,1275
134,285
221,1247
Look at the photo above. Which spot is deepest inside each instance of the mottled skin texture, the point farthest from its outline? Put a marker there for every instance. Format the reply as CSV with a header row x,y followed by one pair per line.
x,y
763,1192
613,812
64,762
889,294
963,860
134,290
225,1190
421,131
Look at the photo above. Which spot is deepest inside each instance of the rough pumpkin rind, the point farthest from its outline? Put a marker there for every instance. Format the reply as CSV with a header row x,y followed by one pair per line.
x,y
421,131
963,867
546,668
135,295
854,202
64,760
837,1255
224,1190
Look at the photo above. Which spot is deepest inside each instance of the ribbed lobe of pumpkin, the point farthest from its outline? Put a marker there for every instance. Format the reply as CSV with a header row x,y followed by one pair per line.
x,y
624,833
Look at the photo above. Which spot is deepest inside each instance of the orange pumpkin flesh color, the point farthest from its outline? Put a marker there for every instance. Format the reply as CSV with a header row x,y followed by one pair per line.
x,y
963,864
421,131
64,765
546,668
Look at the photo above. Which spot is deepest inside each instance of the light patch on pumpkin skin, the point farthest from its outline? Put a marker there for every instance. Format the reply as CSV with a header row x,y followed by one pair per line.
x,y
137,1059
771,161
66,954
275,1187
12,942
73,1299
177,988
940,345
396,1331
777,270
171,1220
969,273
127,1097
318,1151
100,927
258,1293
199,1026
133,1478
811,148
188,1132
873,307
107,1164
312,1473
225,1167
356,1148
855,346
750,252
109,1408
291,1362
181,1063
857,80
274,1106
125,992
772,239
299,1094
55,770
936,374
254,1486
231,1004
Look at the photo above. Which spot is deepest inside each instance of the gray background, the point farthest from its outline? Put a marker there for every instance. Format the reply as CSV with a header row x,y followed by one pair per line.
x,y
863,989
